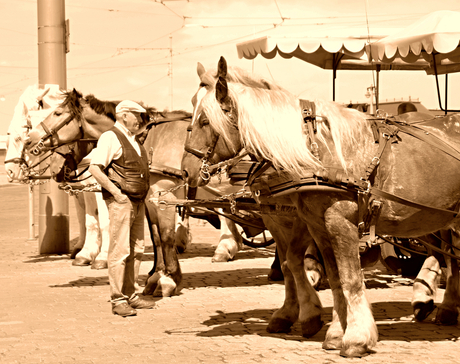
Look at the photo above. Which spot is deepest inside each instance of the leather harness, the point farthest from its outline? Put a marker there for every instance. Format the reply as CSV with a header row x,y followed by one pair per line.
x,y
369,197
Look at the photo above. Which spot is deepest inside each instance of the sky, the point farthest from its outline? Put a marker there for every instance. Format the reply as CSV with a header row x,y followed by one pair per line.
x,y
147,50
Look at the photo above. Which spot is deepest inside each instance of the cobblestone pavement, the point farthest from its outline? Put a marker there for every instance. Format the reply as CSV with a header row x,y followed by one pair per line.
x,y
52,312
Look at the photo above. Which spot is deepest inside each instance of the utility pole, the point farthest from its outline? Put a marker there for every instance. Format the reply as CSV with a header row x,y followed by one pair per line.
x,y
171,69
53,216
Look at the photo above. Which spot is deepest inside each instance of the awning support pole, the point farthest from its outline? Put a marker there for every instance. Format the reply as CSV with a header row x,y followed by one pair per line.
x,y
445,109
336,59
377,68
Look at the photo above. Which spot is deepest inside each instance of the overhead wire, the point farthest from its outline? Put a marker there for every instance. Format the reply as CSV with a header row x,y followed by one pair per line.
x,y
311,21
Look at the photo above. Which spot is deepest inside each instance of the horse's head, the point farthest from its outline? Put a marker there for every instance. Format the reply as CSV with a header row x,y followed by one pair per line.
x,y
64,162
213,134
19,165
60,127
16,161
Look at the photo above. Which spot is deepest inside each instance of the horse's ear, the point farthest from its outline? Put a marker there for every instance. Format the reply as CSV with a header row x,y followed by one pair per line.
x,y
221,90
221,85
222,68
200,70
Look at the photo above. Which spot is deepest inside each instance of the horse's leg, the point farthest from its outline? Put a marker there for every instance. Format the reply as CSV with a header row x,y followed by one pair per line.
x,y
335,332
310,307
104,229
165,282
169,284
283,318
80,207
448,310
426,283
361,331
91,248
183,236
312,263
230,241
313,267
154,276
276,273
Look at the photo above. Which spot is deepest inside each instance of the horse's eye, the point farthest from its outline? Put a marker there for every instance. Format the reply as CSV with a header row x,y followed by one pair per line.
x,y
204,121
58,113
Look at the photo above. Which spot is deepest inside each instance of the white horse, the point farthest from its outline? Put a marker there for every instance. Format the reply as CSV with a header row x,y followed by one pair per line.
x,y
34,105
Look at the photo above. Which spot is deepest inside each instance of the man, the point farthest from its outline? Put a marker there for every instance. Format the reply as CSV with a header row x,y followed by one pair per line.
x,y
120,165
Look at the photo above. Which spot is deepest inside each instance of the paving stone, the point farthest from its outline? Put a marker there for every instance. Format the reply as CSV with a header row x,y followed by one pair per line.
x,y
58,313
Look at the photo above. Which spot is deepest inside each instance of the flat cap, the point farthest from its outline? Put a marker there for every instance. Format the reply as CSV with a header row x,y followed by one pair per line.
x,y
128,105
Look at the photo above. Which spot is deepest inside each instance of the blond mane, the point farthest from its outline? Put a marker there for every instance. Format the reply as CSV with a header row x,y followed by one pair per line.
x,y
271,125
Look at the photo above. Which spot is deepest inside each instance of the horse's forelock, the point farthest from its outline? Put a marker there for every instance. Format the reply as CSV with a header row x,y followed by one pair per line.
x,y
72,101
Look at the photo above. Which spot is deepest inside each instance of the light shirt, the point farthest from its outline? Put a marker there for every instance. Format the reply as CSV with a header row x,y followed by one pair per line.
x,y
109,147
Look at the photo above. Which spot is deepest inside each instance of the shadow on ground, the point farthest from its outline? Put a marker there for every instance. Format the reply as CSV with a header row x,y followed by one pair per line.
x,y
394,322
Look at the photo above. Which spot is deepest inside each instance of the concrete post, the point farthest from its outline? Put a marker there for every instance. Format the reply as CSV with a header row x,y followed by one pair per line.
x,y
53,237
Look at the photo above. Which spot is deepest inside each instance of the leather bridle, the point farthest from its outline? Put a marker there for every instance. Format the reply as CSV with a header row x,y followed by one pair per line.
x,y
49,133
204,156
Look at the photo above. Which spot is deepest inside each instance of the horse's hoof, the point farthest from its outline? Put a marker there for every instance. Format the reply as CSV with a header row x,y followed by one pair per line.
x,y
423,309
446,317
221,258
333,344
99,264
166,288
279,325
275,275
151,284
81,262
74,253
354,351
312,326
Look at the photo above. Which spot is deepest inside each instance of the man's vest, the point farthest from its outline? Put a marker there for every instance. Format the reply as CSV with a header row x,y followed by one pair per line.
x,y
130,173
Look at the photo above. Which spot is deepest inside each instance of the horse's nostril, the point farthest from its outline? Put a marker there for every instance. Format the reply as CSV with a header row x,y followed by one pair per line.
x,y
184,174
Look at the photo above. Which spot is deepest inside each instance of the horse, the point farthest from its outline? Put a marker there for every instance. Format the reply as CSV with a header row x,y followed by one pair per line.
x,y
81,117
68,169
33,106
329,166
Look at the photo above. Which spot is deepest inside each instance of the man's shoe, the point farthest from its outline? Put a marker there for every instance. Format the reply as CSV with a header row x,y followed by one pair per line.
x,y
123,309
141,303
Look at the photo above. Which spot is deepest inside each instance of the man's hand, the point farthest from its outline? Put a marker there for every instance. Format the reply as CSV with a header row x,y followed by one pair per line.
x,y
104,181
121,198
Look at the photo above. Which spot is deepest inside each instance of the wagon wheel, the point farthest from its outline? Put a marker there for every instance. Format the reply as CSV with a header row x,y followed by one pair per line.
x,y
262,240
396,259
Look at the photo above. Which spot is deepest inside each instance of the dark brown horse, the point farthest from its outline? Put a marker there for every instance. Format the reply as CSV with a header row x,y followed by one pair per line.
x,y
329,175
81,117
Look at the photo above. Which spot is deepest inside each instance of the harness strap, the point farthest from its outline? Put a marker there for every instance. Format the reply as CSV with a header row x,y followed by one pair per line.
x,y
49,132
229,162
427,137
310,122
75,180
404,201
156,122
258,171
168,171
369,209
